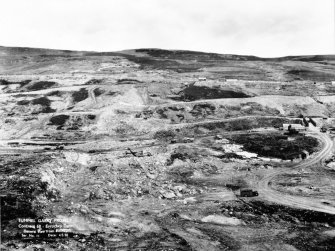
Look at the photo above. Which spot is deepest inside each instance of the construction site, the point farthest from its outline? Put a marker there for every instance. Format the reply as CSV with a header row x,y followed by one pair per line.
x,y
153,149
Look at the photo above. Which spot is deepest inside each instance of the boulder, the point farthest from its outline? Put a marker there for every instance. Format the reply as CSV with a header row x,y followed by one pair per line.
x,y
222,220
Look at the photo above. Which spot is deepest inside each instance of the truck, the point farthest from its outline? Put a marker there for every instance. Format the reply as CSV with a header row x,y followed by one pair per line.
x,y
218,137
304,120
188,140
246,192
323,129
60,147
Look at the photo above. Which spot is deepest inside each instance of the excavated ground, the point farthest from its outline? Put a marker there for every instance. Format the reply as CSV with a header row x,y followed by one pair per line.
x,y
148,150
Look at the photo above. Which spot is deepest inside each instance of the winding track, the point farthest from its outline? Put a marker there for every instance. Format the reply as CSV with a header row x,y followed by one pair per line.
x,y
309,203
264,188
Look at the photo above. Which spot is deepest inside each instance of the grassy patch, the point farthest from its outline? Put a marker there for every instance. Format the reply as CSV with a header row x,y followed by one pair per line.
x,y
183,153
59,120
55,93
91,116
247,124
41,85
164,135
192,93
128,81
98,92
94,82
202,110
245,109
44,102
80,95
21,83
212,128
163,64
21,185
23,102
110,93
276,145
307,74
41,101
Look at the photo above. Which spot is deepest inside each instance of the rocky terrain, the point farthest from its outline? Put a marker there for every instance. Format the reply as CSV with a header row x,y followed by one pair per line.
x,y
152,149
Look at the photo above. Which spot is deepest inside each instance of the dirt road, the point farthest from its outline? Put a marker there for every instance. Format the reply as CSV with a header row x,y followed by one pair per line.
x,y
266,192
92,95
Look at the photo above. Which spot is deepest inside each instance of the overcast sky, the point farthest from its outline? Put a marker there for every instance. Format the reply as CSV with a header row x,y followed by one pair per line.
x,y
253,27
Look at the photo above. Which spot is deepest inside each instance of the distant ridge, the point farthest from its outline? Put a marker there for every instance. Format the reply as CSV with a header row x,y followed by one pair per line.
x,y
156,52
24,60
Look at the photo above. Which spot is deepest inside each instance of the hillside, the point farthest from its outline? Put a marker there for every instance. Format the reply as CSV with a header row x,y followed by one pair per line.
x,y
314,68
150,149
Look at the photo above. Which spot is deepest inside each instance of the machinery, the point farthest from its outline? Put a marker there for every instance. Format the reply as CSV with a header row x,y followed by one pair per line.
x,y
248,193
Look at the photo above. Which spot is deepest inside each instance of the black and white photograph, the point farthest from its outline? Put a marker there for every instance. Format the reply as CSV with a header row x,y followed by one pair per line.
x,y
167,125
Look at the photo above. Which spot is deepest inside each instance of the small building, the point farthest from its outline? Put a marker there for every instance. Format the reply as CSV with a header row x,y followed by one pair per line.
x,y
297,127
13,143
202,78
218,137
323,129
333,83
244,192
305,121
231,80
60,147
188,140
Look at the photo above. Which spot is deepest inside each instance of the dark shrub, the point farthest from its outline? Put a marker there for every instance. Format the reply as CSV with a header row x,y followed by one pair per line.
x,y
41,85
165,135
80,95
59,119
98,92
